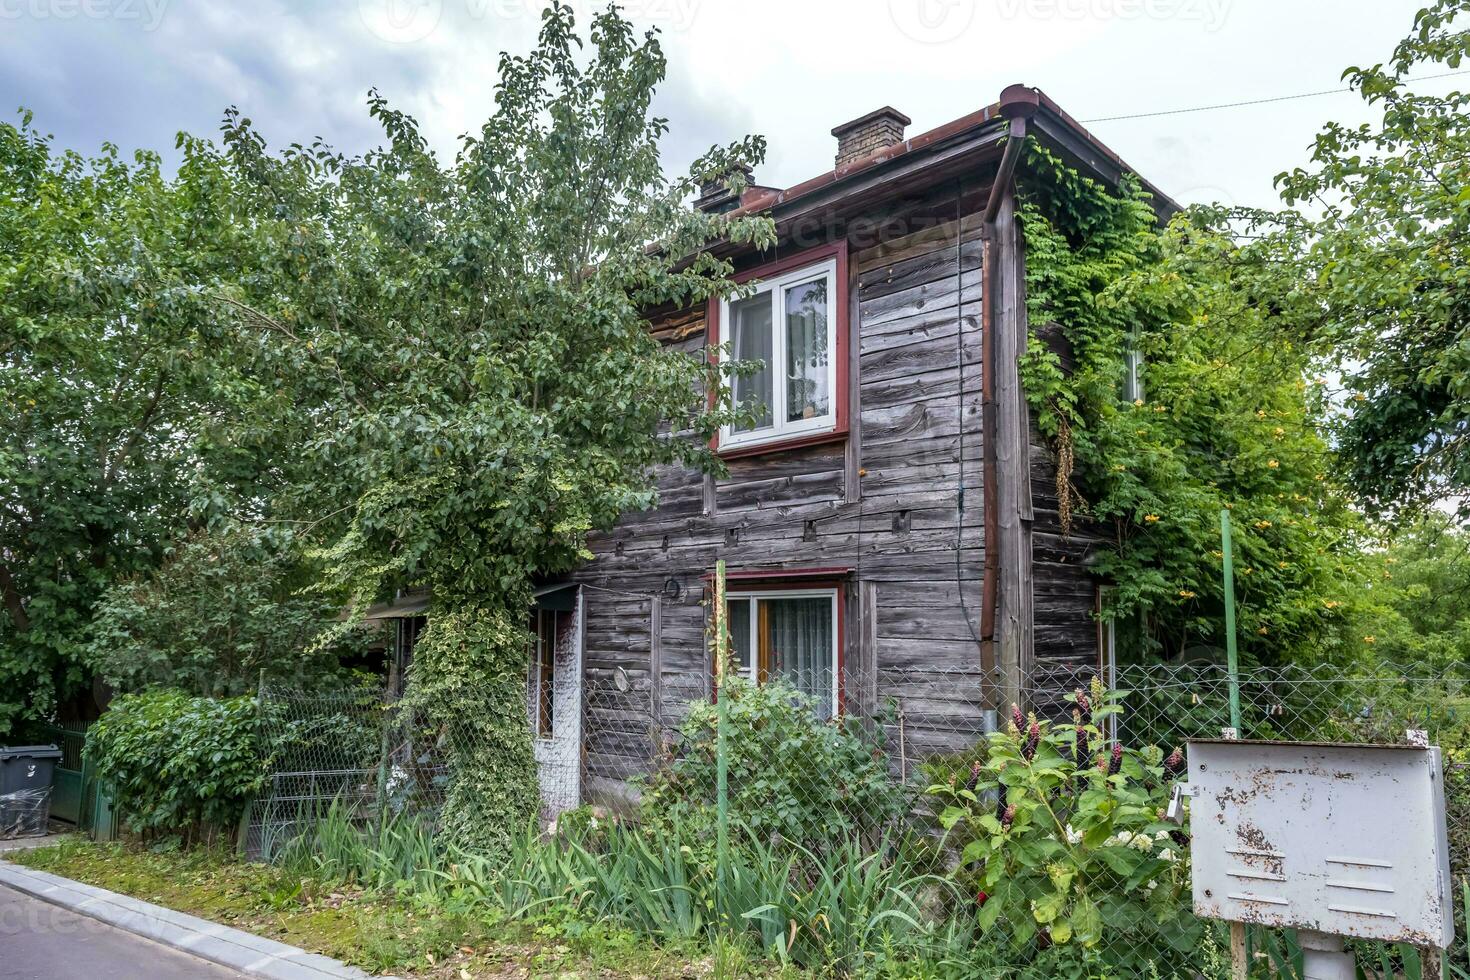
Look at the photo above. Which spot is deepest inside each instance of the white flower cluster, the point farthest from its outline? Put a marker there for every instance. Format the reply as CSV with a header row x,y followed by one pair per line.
x,y
1142,842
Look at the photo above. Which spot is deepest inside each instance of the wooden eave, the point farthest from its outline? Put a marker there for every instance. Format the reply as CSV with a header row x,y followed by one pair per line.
x,y
946,152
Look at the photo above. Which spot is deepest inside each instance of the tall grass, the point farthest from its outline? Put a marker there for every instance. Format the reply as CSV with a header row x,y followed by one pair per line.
x,y
853,910
387,852
833,913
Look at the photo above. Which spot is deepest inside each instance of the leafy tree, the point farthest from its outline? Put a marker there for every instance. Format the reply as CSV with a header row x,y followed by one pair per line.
x,y
469,345
224,609
440,372
1414,609
1378,251
117,374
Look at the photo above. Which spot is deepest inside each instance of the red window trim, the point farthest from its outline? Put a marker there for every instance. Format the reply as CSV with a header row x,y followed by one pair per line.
x,y
842,336
779,577
796,579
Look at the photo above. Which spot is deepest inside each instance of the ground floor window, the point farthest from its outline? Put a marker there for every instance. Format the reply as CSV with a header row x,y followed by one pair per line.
x,y
791,635
543,674
405,637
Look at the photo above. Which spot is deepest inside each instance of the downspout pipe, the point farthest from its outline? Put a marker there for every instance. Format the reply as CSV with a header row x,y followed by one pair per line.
x,y
1017,104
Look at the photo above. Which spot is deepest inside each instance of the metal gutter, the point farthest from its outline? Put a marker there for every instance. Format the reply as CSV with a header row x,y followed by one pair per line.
x,y
1017,104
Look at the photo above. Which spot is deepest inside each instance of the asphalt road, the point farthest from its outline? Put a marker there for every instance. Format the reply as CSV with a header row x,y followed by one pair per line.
x,y
39,941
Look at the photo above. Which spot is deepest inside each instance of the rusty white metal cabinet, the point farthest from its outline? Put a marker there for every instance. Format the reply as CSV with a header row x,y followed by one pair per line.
x,y
1347,840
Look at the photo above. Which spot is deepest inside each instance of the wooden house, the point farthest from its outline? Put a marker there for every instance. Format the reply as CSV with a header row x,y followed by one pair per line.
x,y
890,523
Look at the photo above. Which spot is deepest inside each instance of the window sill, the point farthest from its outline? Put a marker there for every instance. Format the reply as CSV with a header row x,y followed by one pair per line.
x,y
782,445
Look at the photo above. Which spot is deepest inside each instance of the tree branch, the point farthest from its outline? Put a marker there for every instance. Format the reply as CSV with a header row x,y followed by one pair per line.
x,y
111,466
13,603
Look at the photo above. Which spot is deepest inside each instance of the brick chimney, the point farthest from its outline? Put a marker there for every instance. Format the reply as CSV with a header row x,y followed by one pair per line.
x,y
869,133
715,197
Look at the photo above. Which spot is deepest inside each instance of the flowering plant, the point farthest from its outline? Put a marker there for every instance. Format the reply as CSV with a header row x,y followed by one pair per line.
x,y
1061,834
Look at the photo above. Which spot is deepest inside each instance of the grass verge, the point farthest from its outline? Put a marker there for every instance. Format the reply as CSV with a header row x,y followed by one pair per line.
x,y
378,932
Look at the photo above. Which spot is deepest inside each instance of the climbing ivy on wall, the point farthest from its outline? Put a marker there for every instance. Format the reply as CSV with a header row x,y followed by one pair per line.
x,y
467,692
1230,417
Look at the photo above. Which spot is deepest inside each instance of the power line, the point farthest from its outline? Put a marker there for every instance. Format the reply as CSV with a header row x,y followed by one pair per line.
x,y
1250,102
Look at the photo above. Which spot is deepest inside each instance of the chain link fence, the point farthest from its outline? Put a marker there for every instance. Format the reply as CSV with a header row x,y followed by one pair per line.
x,y
352,749
847,772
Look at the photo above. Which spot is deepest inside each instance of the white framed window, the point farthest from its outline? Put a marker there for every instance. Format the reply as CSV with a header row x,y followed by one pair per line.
x,y
791,635
789,325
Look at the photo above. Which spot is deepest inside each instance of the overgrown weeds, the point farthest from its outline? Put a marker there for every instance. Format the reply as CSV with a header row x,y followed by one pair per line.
x,y
395,852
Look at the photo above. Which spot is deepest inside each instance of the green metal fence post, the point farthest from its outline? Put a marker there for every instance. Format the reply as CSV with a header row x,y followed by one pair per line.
x,y
722,774
1232,659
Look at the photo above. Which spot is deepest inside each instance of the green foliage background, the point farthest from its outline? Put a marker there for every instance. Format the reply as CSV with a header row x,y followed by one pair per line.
x,y
132,411
1232,418
225,611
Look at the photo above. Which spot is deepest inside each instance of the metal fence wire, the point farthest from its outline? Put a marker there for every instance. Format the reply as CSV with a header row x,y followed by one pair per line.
x,y
352,749
845,765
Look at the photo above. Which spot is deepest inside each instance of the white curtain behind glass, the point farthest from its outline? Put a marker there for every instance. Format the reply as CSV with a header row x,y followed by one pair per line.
x,y
802,644
751,341
806,351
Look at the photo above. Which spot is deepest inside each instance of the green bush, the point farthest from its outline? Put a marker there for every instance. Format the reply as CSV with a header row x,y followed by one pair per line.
x,y
224,610
792,776
1062,843
179,764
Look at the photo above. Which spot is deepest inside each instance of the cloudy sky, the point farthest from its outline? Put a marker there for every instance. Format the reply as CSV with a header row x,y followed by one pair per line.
x,y
134,72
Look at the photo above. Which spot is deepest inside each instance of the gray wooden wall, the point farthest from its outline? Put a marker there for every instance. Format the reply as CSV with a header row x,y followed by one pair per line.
x,y
900,504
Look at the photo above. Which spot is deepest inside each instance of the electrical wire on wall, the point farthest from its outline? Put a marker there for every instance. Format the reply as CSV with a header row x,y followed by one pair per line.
x,y
959,536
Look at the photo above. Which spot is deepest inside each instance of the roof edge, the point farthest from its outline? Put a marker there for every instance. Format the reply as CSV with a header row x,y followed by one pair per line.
x,y
1082,145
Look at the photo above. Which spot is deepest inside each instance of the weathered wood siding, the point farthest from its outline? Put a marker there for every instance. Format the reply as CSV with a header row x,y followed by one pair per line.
x,y
899,503
1064,594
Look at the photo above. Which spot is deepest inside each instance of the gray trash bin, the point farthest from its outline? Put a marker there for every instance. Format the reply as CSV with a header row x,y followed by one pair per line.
x,y
25,789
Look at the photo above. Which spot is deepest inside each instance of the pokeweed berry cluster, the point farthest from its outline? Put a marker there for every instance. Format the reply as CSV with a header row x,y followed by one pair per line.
x,y
1033,741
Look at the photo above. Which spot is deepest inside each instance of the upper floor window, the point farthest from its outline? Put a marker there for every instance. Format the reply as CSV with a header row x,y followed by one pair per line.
x,y
789,325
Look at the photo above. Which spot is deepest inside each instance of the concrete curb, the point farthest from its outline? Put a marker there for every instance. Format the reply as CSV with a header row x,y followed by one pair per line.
x,y
249,954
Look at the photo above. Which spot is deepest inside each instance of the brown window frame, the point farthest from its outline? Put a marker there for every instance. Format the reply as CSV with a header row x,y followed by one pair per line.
x,y
545,626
